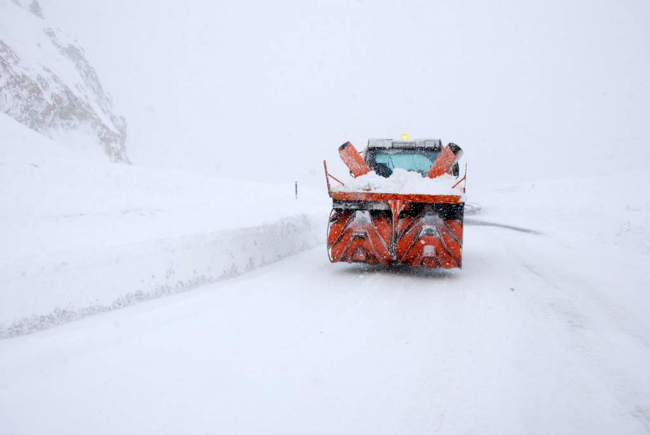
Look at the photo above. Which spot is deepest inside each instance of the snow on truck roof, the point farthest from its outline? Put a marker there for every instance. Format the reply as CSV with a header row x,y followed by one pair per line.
x,y
415,143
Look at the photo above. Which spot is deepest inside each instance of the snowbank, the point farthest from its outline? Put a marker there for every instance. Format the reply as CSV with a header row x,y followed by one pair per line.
x,y
403,181
44,293
79,237
594,239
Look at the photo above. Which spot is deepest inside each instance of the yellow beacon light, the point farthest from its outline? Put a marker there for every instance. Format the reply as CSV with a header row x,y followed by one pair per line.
x,y
405,136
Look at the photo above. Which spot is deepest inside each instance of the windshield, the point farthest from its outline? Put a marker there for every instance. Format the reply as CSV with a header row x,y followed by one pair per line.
x,y
417,160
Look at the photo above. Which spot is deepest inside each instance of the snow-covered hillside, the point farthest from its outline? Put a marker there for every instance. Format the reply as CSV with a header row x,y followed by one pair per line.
x,y
80,237
47,84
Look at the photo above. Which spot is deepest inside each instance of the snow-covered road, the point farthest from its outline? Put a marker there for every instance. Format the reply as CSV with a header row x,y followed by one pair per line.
x,y
508,345
190,292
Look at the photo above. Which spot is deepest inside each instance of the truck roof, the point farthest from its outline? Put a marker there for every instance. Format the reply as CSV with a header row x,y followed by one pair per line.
x,y
395,143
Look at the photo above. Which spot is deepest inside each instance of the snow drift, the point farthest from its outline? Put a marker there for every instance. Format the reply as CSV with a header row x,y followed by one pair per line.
x,y
81,237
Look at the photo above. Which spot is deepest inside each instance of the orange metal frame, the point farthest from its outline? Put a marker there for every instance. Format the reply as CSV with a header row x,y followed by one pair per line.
x,y
386,240
385,197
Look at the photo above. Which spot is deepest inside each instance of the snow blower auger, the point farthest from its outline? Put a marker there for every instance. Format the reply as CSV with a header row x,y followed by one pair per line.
x,y
404,206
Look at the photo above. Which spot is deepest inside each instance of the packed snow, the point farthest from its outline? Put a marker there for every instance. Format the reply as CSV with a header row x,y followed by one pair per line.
x,y
544,330
403,181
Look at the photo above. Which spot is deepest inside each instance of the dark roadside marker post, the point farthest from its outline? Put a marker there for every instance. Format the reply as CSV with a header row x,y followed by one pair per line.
x,y
296,190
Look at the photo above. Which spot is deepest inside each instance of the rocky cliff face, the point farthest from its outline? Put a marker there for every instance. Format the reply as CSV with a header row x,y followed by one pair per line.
x,y
47,83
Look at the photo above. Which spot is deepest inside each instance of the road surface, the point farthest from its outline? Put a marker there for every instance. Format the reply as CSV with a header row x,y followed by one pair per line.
x,y
512,344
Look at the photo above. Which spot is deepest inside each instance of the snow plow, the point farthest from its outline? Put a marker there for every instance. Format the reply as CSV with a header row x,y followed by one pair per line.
x,y
404,206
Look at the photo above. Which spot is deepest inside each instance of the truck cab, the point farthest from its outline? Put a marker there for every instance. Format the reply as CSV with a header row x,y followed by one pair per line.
x,y
384,155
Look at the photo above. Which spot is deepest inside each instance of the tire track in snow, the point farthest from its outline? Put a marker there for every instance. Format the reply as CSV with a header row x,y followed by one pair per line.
x,y
399,352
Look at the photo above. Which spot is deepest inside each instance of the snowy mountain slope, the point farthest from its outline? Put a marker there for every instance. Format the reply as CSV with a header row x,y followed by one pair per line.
x,y
47,83
545,330
80,237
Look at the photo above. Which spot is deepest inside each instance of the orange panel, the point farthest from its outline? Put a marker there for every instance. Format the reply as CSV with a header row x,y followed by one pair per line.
x,y
385,197
353,160
457,228
359,238
337,223
411,244
447,157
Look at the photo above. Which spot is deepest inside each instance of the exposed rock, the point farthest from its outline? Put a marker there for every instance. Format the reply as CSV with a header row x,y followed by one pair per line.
x,y
47,83
36,9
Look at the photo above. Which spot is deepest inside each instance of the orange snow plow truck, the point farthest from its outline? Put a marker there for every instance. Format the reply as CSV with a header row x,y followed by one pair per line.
x,y
405,204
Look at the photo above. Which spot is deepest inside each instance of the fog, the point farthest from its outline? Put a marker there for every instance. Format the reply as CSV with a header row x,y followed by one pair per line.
x,y
266,90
